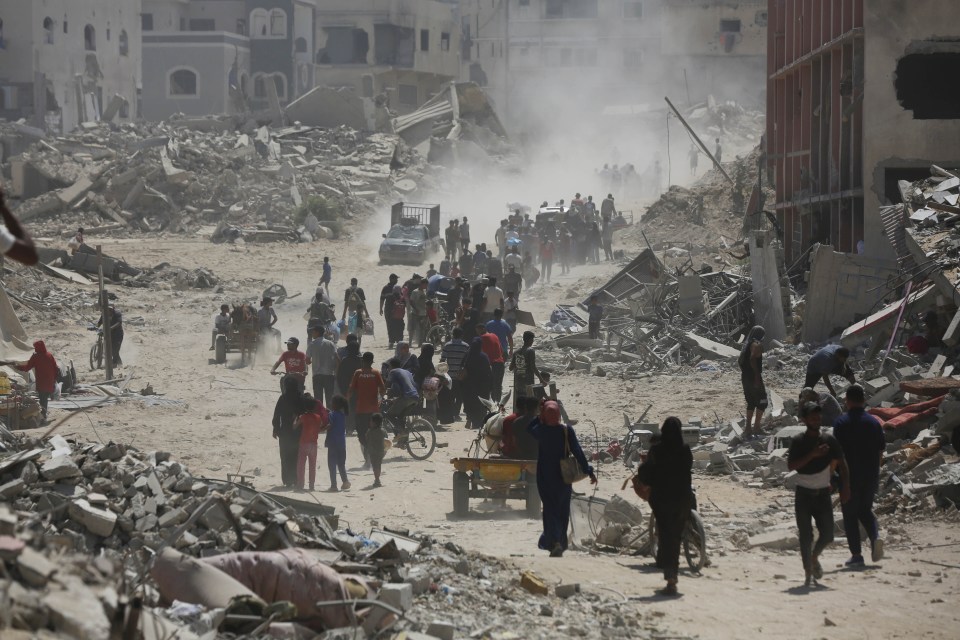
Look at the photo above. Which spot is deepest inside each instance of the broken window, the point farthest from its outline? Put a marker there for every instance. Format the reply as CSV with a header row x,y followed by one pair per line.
x,y
202,24
278,23
146,22
345,45
258,23
424,40
48,30
926,85
89,38
393,45
730,26
407,94
183,82
124,43
300,45
633,10
444,41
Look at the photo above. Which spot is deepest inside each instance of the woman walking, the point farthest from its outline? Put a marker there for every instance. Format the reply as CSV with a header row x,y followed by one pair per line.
x,y
556,441
396,312
477,384
289,407
667,471
751,377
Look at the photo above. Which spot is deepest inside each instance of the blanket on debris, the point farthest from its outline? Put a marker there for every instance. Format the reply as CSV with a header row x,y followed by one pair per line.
x,y
895,417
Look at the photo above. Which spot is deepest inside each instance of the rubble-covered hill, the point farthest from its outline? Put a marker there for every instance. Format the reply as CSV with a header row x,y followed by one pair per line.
x,y
179,175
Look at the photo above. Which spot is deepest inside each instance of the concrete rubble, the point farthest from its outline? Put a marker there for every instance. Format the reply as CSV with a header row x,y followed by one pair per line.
x,y
103,540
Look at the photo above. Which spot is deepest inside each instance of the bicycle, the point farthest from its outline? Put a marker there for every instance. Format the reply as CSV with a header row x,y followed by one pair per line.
x,y
96,351
693,539
415,432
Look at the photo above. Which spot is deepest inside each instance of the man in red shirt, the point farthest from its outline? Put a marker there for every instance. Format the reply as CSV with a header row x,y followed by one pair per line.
x,y
45,366
366,388
490,345
294,362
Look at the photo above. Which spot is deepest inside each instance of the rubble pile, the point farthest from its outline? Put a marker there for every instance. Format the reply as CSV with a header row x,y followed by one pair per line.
x,y
102,540
183,174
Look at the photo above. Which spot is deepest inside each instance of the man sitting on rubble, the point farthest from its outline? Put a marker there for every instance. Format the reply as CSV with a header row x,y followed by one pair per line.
x,y
830,360
221,324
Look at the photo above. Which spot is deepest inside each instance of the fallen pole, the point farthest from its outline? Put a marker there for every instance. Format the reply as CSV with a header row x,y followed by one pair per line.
x,y
699,142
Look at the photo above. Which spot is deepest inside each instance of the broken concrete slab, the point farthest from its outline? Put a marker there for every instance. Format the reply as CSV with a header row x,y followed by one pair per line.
x,y
59,468
775,540
97,521
74,192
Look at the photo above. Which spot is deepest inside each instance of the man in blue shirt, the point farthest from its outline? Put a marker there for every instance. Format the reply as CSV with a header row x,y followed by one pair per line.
x,y
402,387
327,273
861,437
501,328
830,360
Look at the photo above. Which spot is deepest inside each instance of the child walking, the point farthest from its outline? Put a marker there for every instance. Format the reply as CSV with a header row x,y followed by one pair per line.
x,y
376,437
311,423
336,443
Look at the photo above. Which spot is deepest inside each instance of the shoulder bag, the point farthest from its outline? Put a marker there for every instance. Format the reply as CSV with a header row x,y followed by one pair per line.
x,y
570,469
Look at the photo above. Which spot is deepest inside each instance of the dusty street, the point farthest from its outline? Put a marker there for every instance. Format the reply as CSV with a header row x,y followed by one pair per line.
x,y
223,426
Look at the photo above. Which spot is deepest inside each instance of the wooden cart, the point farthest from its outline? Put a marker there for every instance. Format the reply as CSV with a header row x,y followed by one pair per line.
x,y
497,478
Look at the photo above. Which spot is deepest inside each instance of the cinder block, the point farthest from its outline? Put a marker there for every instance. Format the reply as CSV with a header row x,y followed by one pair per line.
x,y
442,630
97,521
398,596
567,590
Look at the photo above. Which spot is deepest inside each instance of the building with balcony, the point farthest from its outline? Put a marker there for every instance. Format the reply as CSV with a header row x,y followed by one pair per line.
x,y
221,56
63,62
406,50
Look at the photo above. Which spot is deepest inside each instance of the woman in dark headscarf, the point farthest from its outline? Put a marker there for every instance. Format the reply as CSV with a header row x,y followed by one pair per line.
x,y
289,406
477,383
667,471
426,371
426,368
751,377
350,362
555,439
395,310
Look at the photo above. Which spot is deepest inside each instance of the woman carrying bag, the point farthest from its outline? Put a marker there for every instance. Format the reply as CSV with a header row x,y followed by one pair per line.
x,y
667,472
555,476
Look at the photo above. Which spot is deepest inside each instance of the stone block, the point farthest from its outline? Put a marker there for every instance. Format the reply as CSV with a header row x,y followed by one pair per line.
x,y
776,540
567,590
532,583
97,521
398,596
172,518
441,629
59,468
34,568
12,489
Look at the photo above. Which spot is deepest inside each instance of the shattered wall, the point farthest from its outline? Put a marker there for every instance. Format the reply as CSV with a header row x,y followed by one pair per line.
x,y
843,288
895,139
771,292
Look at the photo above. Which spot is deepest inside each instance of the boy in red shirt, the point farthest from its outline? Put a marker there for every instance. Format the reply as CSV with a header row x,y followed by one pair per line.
x,y
311,423
294,362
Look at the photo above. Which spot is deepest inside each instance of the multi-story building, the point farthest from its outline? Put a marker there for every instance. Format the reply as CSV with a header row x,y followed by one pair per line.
x,y
62,62
218,56
405,49
859,97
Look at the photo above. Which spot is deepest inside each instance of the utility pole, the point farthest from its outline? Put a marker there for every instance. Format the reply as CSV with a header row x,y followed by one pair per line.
x,y
106,317
699,142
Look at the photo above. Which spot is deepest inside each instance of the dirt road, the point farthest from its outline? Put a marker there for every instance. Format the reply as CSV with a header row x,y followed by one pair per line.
x,y
223,426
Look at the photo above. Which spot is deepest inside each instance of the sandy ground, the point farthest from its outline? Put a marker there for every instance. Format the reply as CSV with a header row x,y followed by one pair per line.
x,y
223,426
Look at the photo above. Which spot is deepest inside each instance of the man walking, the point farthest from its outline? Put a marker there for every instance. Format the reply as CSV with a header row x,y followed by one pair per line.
x,y
353,297
523,364
323,360
490,345
465,234
451,236
365,390
454,353
327,274
815,456
861,438
45,370
267,317
595,315
418,309
606,236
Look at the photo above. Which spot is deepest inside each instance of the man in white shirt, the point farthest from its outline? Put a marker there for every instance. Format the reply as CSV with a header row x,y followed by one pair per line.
x,y
323,361
492,298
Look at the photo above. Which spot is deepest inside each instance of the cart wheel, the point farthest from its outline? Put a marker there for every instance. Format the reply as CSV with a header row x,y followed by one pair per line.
x,y
421,438
533,498
220,354
461,494
695,542
438,335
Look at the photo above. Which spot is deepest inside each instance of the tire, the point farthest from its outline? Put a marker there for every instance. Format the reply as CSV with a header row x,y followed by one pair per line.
x,y
96,355
461,494
533,498
421,439
695,542
220,355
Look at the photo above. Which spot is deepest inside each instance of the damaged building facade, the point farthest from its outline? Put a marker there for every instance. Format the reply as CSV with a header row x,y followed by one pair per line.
x,y
225,56
63,62
405,50
834,162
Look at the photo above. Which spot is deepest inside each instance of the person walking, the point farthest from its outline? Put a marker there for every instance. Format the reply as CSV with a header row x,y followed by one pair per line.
x,y
309,424
336,443
385,307
815,456
327,274
594,242
751,379
694,155
606,236
267,317
451,237
454,353
492,348
555,441
547,249
465,235
376,446
667,471
365,391
45,369
288,407
115,318
323,361
418,306
348,365
523,364
477,383
595,316
861,438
